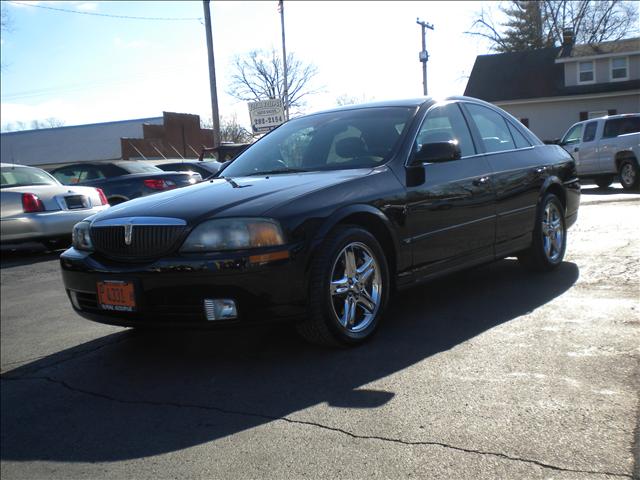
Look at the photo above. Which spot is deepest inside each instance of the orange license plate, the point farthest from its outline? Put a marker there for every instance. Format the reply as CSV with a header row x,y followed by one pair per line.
x,y
117,296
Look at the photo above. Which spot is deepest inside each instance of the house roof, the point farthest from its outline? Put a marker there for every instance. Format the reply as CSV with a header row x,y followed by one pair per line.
x,y
604,48
536,74
516,75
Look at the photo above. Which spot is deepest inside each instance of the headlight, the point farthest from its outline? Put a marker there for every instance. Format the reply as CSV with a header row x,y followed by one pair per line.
x,y
233,234
81,237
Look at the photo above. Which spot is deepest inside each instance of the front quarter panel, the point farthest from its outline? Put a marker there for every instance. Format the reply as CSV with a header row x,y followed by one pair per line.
x,y
379,194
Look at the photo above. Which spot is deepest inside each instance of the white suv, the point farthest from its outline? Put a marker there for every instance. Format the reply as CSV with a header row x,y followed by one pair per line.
x,y
605,148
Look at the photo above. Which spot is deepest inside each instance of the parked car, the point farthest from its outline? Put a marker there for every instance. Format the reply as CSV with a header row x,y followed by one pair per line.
x,y
124,180
322,218
606,148
36,207
205,168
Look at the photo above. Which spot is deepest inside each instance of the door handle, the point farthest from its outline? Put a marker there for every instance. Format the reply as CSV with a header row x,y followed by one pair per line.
x,y
480,181
540,169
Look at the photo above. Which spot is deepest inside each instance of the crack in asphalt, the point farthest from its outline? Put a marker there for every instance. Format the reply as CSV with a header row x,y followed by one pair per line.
x,y
73,356
503,456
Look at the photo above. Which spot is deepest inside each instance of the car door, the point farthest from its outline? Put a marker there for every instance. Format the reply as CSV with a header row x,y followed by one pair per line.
x,y
571,143
589,149
451,215
519,172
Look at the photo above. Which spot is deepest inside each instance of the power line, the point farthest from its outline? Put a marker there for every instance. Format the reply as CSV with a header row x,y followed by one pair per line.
x,y
126,17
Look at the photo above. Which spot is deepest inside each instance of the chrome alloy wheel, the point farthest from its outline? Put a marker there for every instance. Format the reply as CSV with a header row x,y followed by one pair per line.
x,y
628,174
355,287
552,232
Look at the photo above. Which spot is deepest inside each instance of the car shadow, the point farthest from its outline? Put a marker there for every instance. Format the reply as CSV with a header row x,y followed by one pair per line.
x,y
136,394
27,255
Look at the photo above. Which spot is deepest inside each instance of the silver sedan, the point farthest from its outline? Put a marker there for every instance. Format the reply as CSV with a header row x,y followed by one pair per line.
x,y
36,207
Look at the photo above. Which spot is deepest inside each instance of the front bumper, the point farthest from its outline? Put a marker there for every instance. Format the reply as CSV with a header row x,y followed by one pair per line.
x,y
43,225
170,292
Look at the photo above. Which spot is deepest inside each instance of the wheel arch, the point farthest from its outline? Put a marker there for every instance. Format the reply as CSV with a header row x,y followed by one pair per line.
x,y
624,155
554,185
118,198
370,219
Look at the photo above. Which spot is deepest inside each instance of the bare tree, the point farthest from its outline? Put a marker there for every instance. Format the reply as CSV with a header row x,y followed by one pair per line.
x,y
539,24
346,99
230,130
51,122
259,76
5,20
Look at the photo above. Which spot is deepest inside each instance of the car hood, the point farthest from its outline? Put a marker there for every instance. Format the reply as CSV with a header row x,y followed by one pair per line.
x,y
231,197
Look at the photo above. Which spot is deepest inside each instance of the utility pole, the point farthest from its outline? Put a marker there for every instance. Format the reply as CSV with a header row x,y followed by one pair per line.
x,y
215,116
424,56
284,62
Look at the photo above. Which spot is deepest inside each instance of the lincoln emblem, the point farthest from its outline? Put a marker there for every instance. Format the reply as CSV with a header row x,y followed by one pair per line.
x,y
128,233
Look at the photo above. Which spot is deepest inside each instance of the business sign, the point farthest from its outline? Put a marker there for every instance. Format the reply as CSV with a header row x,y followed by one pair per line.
x,y
266,115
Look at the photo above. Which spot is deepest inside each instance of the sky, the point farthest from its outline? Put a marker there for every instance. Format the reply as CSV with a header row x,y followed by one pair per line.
x,y
85,68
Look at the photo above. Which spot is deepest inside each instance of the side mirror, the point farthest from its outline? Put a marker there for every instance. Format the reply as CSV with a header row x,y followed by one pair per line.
x,y
437,152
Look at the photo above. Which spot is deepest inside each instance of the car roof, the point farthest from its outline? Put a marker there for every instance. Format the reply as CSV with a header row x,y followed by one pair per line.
x,y
180,160
18,165
609,117
407,102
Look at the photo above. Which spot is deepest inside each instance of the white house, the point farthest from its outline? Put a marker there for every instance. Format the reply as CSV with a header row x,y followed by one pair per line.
x,y
552,88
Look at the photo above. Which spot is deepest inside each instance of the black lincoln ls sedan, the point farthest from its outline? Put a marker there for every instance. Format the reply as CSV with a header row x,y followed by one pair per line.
x,y
322,219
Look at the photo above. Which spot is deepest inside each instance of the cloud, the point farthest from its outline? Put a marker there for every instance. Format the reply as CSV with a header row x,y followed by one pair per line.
x,y
87,7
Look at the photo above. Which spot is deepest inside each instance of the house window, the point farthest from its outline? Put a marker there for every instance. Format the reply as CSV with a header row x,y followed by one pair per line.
x,y
586,73
597,114
619,69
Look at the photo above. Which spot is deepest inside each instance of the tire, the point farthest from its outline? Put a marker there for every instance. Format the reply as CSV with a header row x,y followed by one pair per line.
x,y
345,308
549,237
604,182
629,175
116,201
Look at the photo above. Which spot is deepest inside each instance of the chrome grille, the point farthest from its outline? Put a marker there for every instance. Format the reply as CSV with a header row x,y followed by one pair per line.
x,y
147,241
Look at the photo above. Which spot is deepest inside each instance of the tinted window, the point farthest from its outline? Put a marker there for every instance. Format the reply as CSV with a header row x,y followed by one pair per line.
x,y
621,126
518,138
445,123
492,127
358,138
590,132
139,167
71,175
20,176
573,135
108,170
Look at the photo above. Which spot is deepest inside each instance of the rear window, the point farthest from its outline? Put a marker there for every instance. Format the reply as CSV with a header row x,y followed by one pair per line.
x,y
621,126
139,167
22,177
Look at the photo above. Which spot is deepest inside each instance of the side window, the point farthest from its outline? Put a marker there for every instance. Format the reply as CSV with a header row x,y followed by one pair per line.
x,y
445,123
621,126
68,175
92,173
492,127
518,138
590,132
573,135
109,171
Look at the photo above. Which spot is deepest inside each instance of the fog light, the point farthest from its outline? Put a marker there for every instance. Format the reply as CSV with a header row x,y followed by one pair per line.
x,y
74,299
220,309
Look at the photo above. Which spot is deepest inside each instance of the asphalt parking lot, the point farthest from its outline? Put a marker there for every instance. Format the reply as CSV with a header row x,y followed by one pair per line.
x,y
493,373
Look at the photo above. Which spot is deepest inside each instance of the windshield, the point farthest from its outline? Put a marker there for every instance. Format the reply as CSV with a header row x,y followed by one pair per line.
x,y
21,177
139,167
361,138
